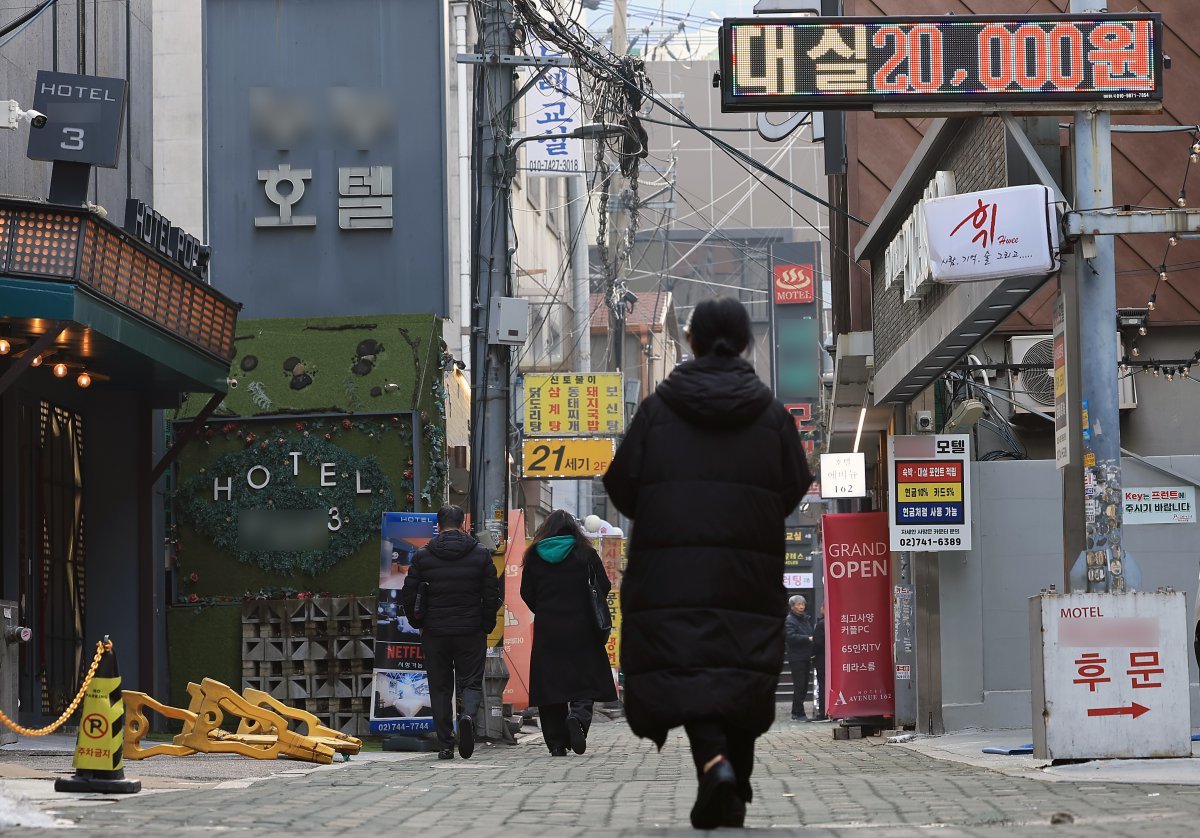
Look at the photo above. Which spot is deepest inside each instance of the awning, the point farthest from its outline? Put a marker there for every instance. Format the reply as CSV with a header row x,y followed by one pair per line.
x,y
124,313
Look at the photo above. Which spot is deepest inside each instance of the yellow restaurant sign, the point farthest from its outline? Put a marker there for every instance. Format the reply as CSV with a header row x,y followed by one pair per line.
x,y
574,404
567,457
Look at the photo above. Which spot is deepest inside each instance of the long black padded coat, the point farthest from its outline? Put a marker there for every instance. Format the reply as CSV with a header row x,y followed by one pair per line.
x,y
710,468
568,661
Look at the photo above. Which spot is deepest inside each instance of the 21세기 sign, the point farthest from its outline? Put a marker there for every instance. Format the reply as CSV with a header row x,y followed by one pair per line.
x,y
929,481
849,63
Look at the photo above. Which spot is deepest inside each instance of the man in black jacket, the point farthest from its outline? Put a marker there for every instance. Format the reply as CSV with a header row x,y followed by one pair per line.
x,y
460,593
799,632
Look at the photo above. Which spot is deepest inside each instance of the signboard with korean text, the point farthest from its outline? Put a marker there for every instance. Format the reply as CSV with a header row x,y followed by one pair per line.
x,y
1062,453
400,696
798,547
794,284
991,235
1110,675
858,615
571,457
793,581
796,325
324,134
574,404
553,107
843,475
929,483
1161,505
853,63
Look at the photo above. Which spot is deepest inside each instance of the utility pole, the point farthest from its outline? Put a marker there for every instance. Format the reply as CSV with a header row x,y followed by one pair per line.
x,y
580,303
491,374
1094,338
618,219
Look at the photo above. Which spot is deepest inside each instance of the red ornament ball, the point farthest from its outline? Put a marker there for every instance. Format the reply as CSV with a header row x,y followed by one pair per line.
x,y
346,424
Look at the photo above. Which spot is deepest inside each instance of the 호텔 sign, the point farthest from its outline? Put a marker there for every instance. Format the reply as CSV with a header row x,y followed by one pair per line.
x,y
795,64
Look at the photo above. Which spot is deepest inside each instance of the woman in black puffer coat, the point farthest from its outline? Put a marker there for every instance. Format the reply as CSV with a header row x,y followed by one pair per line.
x,y
710,468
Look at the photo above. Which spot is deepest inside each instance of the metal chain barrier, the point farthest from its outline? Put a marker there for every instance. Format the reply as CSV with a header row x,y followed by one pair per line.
x,y
102,646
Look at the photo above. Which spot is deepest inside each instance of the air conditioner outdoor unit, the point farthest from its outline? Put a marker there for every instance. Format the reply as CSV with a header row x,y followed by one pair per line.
x,y
1033,389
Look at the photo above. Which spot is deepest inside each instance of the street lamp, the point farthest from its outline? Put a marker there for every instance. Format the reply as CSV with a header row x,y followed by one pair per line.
x,y
589,131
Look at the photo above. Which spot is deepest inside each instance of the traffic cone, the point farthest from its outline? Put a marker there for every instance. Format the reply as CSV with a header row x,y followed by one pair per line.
x,y
99,746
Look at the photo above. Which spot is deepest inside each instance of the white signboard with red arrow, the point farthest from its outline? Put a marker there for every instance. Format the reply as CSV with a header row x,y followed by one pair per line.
x,y
1110,676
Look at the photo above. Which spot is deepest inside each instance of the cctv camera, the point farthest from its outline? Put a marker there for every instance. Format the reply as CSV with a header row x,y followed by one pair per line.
x,y
924,422
36,118
232,382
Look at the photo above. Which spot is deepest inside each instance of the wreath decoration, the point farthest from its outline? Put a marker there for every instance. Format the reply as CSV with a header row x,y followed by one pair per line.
x,y
218,520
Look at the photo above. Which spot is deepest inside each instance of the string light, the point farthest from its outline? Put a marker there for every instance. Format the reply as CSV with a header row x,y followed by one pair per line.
x,y
1150,302
36,362
1196,147
5,346
1174,240
60,370
84,380
1142,331
1162,274
1182,199
1134,351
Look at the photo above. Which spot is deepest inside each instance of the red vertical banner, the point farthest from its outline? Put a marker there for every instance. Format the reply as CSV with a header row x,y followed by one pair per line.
x,y
858,615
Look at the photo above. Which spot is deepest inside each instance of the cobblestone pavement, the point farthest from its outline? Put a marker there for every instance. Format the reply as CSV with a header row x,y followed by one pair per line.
x,y
804,782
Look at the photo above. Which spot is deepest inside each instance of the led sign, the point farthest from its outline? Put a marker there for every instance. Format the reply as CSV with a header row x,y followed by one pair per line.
x,y
853,63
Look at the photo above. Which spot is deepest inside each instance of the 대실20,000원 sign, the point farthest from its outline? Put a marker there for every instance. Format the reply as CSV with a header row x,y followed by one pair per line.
x,y
796,64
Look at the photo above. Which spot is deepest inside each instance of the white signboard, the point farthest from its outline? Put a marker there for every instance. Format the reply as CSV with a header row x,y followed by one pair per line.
x,y
990,235
907,257
1110,676
844,475
929,483
797,580
1161,505
553,108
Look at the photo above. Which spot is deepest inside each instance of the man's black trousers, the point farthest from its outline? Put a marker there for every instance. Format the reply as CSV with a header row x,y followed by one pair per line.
x,y
801,681
449,659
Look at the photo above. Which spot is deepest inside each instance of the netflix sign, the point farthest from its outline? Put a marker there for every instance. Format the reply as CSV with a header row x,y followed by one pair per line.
x,y
794,284
858,615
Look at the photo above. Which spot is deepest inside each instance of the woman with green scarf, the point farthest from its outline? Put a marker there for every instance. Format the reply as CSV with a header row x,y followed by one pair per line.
x,y
568,667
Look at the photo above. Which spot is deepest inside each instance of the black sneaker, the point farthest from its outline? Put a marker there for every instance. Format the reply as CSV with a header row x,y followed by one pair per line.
x,y
446,753
558,752
717,788
466,737
578,738
799,718
735,813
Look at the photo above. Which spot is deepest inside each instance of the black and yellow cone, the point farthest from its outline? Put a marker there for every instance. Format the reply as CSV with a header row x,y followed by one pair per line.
x,y
99,760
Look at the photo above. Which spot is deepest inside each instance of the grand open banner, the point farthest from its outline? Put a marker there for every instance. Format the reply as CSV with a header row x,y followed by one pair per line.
x,y
858,615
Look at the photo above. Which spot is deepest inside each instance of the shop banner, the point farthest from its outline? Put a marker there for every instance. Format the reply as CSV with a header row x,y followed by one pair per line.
x,y
858,615
400,701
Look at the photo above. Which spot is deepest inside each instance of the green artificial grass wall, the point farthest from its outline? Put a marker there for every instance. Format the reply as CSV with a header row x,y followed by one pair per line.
x,y
347,391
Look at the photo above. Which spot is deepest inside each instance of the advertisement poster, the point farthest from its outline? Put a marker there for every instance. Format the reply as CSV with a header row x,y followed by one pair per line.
x,y
929,483
400,698
858,615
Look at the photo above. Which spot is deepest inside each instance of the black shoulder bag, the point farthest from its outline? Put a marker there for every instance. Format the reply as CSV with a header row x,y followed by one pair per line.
x,y
601,617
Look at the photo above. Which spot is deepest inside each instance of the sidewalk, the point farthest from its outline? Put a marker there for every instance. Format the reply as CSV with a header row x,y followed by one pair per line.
x,y
804,782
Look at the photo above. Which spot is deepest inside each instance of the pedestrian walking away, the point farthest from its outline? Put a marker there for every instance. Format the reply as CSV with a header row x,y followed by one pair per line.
x,y
568,666
709,470
455,580
798,631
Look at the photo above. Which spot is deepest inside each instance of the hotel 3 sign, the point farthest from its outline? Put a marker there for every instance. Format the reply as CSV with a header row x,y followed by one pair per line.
x,y
794,284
